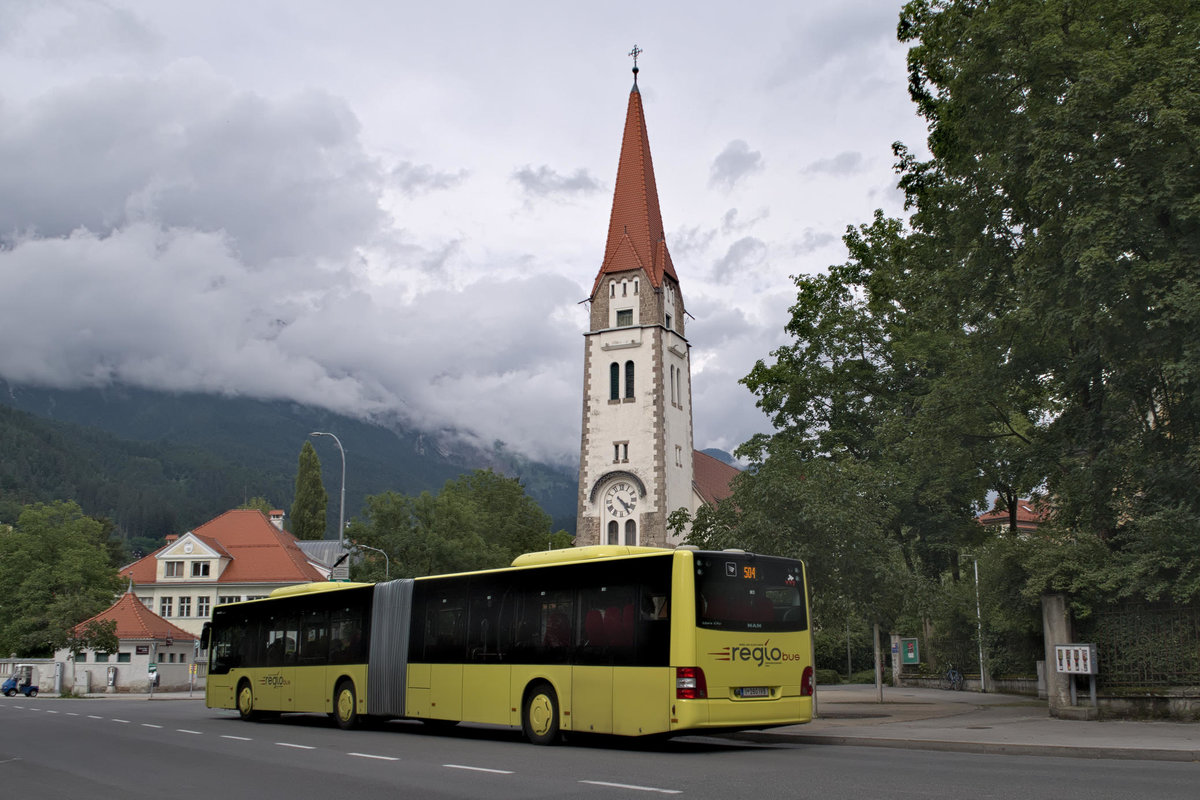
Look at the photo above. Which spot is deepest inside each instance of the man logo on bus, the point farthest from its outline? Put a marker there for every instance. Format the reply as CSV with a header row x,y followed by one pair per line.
x,y
760,654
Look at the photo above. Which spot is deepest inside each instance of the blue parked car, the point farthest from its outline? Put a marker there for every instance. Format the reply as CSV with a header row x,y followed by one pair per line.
x,y
20,681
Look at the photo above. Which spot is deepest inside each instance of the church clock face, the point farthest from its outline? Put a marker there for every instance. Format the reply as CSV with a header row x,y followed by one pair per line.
x,y
620,499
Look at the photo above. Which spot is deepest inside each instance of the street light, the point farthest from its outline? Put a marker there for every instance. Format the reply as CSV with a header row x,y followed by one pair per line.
x,y
342,506
979,620
387,562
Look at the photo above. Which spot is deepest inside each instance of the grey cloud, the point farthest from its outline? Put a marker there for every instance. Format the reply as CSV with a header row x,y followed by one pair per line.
x,y
281,178
414,179
95,28
812,241
836,36
848,162
544,181
733,223
735,162
690,242
743,255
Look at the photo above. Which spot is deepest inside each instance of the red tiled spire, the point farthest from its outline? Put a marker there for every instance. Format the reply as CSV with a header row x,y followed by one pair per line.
x,y
635,229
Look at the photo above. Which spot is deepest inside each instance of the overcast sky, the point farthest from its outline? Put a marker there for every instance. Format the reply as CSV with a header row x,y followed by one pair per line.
x,y
397,207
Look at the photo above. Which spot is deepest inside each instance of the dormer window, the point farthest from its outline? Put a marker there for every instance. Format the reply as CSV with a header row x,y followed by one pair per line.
x,y
200,569
173,569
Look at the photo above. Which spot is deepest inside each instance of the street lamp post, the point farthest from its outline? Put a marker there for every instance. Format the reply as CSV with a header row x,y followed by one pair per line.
x,y
979,621
342,505
387,562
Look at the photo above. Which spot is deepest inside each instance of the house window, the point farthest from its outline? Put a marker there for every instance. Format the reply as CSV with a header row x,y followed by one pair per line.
x,y
124,658
612,532
630,532
624,289
625,318
628,380
80,658
668,321
173,569
228,598
185,606
203,606
612,289
620,452
614,381
199,569
101,658
635,285
672,384
164,607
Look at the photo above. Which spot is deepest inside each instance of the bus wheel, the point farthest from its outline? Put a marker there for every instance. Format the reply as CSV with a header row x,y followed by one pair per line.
x,y
245,701
539,717
345,709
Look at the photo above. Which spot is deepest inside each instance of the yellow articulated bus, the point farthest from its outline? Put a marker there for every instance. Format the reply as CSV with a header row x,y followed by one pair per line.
x,y
631,641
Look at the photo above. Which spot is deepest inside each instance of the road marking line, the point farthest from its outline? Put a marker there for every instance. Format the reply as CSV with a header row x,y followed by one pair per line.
x,y
148,725
297,746
123,721
633,787
369,755
93,716
479,769
48,711
185,730
72,714
238,738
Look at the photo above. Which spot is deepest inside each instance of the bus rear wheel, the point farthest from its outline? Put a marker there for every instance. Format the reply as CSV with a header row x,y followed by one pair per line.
x,y
245,702
539,714
345,707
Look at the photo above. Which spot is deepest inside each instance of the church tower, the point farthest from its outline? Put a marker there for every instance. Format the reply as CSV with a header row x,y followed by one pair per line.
x,y
636,461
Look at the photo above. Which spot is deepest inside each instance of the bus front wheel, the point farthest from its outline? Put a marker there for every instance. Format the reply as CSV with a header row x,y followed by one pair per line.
x,y
245,701
345,708
539,717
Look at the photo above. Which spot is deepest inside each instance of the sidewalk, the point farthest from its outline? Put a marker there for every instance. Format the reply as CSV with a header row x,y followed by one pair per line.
x,y
970,722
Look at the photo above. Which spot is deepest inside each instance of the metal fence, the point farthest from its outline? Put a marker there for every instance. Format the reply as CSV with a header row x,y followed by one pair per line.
x,y
1145,645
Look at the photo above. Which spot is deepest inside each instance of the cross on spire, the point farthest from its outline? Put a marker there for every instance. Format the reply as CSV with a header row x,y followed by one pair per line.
x,y
635,52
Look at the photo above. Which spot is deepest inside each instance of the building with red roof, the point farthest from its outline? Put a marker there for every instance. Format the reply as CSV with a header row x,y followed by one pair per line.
x,y
240,555
1029,515
145,639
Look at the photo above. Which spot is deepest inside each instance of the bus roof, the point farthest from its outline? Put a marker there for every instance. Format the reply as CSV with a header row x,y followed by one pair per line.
x,y
319,586
583,554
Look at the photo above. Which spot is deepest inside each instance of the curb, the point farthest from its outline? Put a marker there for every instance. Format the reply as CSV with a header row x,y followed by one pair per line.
x,y
1001,748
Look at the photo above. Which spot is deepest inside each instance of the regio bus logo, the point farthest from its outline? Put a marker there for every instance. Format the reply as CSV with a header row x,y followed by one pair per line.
x,y
760,654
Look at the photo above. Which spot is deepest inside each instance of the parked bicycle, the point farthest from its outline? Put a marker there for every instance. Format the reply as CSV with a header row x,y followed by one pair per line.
x,y
953,679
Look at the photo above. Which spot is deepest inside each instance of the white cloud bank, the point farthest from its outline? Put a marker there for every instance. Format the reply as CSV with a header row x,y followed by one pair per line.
x,y
311,209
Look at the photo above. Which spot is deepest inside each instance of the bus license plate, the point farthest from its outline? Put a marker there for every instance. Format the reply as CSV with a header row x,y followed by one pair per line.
x,y
755,691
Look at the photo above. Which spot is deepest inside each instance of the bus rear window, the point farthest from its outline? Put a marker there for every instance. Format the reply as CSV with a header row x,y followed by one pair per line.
x,y
745,592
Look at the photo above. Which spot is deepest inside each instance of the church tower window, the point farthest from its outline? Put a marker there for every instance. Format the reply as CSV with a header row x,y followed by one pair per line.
x,y
628,380
613,532
614,381
624,317
630,532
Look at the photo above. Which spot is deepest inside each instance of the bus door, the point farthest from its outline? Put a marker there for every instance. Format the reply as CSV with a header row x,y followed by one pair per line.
x,y
277,679
599,640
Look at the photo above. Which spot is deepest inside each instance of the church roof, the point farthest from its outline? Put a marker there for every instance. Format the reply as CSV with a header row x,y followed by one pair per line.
x,y
135,621
635,228
712,477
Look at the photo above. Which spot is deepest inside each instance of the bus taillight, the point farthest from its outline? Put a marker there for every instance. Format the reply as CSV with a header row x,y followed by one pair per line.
x,y
806,682
690,684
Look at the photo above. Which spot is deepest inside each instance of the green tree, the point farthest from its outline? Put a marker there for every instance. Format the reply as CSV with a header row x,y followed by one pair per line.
x,y
1057,231
477,521
54,573
308,507
263,504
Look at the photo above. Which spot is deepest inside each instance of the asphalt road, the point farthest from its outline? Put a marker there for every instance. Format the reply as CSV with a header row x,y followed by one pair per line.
x,y
117,748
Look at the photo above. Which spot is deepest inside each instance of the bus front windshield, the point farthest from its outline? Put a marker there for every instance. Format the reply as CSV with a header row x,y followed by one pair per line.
x,y
744,592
